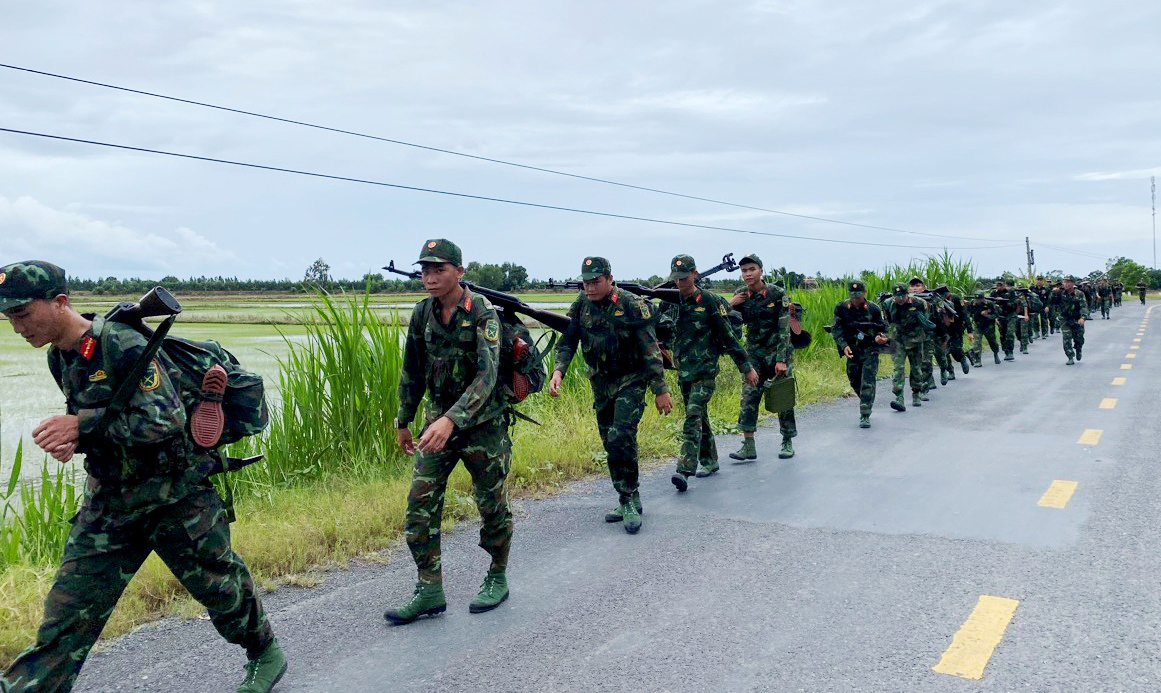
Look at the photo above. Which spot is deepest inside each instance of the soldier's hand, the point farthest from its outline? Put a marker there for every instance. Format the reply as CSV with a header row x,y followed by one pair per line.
x,y
737,300
780,368
752,376
881,339
1080,322
58,434
664,403
64,453
554,384
405,441
435,437
848,354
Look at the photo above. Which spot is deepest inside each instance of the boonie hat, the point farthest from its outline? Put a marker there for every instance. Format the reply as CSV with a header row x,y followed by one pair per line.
x,y
681,267
594,267
24,282
441,250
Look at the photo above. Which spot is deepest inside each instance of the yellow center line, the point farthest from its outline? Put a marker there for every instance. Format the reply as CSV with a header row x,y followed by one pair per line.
x,y
977,638
1126,366
1119,381
1108,403
1135,346
1130,356
1137,339
1058,494
1091,436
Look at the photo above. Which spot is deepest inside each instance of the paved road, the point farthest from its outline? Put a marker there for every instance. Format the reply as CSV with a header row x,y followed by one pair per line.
x,y
849,568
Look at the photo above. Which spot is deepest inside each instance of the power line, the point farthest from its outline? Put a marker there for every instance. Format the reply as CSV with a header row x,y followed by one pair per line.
x,y
482,197
488,159
1068,250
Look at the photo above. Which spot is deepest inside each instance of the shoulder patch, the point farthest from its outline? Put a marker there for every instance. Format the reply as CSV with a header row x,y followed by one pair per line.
x,y
152,379
492,330
98,376
615,297
645,311
722,309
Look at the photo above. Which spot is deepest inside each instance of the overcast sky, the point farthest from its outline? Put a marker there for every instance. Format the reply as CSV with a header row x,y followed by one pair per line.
x,y
987,120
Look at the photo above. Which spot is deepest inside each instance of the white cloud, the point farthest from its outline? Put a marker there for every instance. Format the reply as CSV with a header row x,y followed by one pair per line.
x,y
1119,175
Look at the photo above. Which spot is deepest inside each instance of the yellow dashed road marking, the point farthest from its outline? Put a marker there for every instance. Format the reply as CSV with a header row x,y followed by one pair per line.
x,y
1138,340
977,638
1130,356
1126,366
1058,494
1135,346
1091,436
1119,381
1108,403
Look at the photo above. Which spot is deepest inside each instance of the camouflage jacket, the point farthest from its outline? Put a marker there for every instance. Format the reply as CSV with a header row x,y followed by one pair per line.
x,y
982,312
909,322
700,336
859,337
618,341
766,315
143,459
1009,305
456,364
1073,306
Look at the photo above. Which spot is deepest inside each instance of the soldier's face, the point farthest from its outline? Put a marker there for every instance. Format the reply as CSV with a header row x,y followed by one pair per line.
x,y
752,275
686,285
598,289
39,322
918,288
441,278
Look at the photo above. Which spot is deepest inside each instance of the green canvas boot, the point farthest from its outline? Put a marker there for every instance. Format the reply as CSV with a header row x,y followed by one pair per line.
x,y
942,377
632,518
950,374
787,450
492,593
964,364
615,514
707,469
996,356
1070,362
897,403
428,600
865,421
915,401
264,671
748,451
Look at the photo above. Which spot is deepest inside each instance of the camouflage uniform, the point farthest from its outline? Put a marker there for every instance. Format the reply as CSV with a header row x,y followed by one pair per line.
x,y
766,316
701,334
955,333
1041,323
1007,321
983,316
1141,289
1105,299
147,490
457,365
856,328
620,348
909,329
1073,307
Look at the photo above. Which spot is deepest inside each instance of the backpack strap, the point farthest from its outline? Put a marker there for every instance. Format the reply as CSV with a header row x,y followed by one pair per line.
x,y
129,383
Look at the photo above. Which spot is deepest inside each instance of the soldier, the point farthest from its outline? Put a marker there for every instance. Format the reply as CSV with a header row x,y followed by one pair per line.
x,y
765,312
452,352
909,329
1104,296
983,314
615,330
1141,289
148,489
956,326
932,342
1054,305
702,332
1041,322
860,333
1118,292
1074,311
1007,319
1023,311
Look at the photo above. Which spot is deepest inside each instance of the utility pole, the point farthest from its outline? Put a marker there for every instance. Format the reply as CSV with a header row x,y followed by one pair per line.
x,y
1153,185
1028,249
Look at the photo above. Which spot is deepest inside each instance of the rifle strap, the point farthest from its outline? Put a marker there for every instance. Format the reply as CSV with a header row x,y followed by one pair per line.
x,y
133,377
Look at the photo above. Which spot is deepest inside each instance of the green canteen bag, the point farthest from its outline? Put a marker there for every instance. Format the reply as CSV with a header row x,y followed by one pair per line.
x,y
779,396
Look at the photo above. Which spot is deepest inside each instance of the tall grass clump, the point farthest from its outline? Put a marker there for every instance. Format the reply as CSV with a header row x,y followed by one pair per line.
x,y
34,519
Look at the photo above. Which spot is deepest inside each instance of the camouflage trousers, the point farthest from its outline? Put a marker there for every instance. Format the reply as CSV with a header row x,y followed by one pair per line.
x,y
905,352
617,421
982,333
103,553
863,375
1041,326
1141,295
697,437
955,351
1106,305
486,451
931,353
1072,334
752,400
1008,328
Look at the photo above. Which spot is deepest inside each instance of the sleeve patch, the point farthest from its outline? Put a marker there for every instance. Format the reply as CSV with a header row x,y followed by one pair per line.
x,y
722,309
152,379
492,331
645,312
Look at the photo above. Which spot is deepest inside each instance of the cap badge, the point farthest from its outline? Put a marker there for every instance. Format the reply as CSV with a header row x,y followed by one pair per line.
x,y
432,244
678,263
588,262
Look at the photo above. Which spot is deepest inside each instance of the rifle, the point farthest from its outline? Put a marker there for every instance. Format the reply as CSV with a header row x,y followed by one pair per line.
x,y
726,264
507,303
157,302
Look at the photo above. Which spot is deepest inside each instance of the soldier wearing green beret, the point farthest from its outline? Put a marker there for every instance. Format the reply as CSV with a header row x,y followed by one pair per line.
x,y
452,354
860,333
765,310
148,490
701,334
614,329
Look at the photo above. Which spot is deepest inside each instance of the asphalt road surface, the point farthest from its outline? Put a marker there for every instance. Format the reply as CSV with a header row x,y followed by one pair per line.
x,y
852,567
